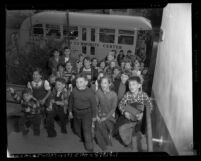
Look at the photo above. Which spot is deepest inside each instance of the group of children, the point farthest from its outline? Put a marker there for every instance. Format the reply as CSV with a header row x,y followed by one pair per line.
x,y
95,95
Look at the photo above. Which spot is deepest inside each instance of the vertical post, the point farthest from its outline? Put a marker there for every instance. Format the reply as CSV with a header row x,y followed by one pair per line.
x,y
68,28
149,130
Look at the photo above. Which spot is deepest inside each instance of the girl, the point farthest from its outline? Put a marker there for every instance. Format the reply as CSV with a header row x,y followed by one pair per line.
x,y
40,88
106,103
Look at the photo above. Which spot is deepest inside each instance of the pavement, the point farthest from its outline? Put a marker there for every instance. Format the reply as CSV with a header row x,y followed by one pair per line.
x,y
62,143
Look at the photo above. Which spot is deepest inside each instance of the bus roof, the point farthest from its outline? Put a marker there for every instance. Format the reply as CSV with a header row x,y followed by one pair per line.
x,y
96,20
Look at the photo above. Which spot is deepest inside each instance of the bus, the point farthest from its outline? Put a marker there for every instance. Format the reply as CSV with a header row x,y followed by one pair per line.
x,y
90,34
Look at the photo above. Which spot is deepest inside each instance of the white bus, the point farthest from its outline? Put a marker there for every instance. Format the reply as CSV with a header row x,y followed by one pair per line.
x,y
90,34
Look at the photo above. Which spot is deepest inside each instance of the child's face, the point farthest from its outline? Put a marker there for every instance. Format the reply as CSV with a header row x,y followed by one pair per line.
x,y
112,64
27,97
68,66
122,64
116,72
136,64
127,66
36,76
110,56
61,69
81,83
134,86
87,63
56,54
102,65
94,62
124,78
105,84
81,58
100,76
59,86
129,53
67,52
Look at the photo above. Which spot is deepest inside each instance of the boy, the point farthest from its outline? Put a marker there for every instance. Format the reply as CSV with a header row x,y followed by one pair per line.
x,y
136,99
57,107
82,107
87,70
31,110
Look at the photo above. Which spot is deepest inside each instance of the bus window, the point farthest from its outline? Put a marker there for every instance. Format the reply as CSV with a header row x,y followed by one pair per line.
x,y
107,35
126,37
84,34
37,30
92,34
92,50
53,30
73,33
84,49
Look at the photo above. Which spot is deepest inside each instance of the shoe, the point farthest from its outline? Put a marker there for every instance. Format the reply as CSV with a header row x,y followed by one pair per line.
x,y
36,133
25,132
64,131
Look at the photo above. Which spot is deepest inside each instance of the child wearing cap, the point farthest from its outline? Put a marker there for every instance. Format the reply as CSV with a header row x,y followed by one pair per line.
x,y
31,109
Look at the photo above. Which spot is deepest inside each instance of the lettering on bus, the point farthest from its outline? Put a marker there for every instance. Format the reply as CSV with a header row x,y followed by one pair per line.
x,y
111,46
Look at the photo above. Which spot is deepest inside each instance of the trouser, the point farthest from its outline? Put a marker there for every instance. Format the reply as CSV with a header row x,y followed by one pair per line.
x,y
102,132
82,124
28,120
126,132
58,111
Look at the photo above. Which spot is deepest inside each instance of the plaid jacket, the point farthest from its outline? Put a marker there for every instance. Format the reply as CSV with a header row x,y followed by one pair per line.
x,y
33,105
128,98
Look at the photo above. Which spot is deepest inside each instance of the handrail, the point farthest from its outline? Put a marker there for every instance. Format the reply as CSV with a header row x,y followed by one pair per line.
x,y
149,130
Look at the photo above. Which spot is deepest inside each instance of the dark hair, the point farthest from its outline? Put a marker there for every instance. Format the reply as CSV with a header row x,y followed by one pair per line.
x,y
60,65
62,80
94,59
129,51
27,91
66,47
135,78
81,75
87,58
39,70
54,50
108,77
121,51
126,72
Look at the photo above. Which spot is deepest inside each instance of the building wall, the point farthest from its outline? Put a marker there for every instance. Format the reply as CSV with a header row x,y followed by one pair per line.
x,y
172,84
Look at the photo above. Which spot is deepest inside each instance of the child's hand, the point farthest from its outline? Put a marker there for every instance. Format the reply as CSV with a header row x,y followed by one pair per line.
x,y
127,115
70,115
102,119
49,108
27,109
11,90
94,119
139,116
42,102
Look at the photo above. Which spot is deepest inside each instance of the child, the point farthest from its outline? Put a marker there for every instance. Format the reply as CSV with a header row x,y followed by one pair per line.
x,y
136,70
106,103
102,66
31,110
96,85
57,107
79,65
95,69
69,73
60,71
110,57
137,99
128,66
54,61
120,57
82,107
116,73
87,70
110,68
40,88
